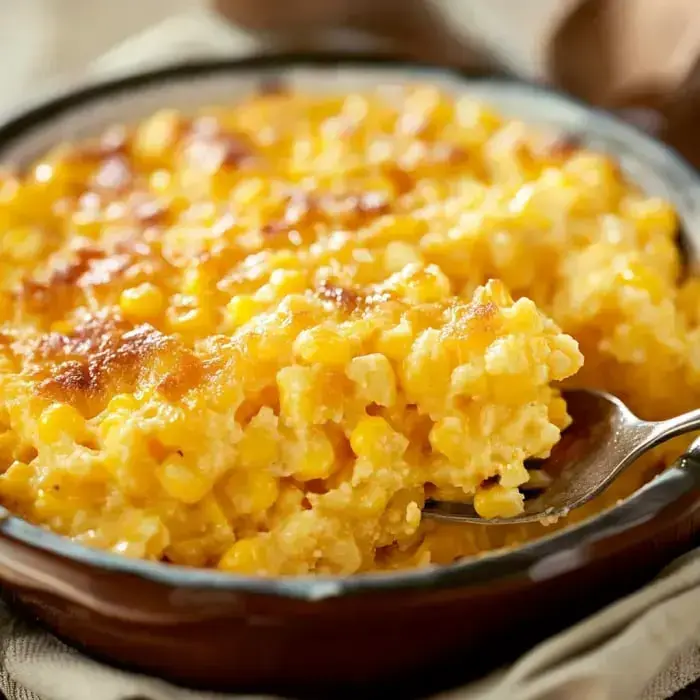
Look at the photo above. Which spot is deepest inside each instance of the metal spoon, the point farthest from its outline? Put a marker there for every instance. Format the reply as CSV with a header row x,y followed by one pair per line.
x,y
604,438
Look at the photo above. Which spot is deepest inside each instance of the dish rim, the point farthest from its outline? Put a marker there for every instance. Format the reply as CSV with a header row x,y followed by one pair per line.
x,y
537,559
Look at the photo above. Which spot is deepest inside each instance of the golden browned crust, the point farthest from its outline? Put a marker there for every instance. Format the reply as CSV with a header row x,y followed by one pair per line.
x,y
105,355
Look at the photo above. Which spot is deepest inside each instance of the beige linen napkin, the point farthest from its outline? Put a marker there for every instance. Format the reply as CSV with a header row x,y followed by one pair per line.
x,y
646,646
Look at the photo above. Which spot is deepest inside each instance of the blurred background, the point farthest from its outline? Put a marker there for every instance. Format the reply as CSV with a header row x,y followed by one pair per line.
x,y
640,57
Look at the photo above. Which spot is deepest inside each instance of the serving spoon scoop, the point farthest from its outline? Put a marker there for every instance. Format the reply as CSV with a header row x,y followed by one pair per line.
x,y
604,438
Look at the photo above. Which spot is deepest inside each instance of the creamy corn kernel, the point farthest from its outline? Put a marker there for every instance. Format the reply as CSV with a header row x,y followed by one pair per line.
x,y
182,481
375,439
242,309
252,491
258,338
498,501
244,557
374,379
58,420
142,302
323,345
155,138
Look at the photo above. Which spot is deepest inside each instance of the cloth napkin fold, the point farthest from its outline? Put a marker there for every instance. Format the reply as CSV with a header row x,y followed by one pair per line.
x,y
645,646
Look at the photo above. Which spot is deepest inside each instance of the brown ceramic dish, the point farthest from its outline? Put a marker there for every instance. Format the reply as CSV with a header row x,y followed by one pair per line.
x,y
211,629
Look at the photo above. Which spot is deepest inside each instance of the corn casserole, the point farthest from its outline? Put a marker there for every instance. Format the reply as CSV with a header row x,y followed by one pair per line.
x,y
259,337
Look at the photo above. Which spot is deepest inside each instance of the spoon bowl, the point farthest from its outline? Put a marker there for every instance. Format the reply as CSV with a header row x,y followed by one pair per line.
x,y
604,438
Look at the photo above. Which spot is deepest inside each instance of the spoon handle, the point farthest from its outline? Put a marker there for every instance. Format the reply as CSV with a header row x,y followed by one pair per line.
x,y
667,429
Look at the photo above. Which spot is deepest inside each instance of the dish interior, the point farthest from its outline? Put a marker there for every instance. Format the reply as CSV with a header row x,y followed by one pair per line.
x,y
255,332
